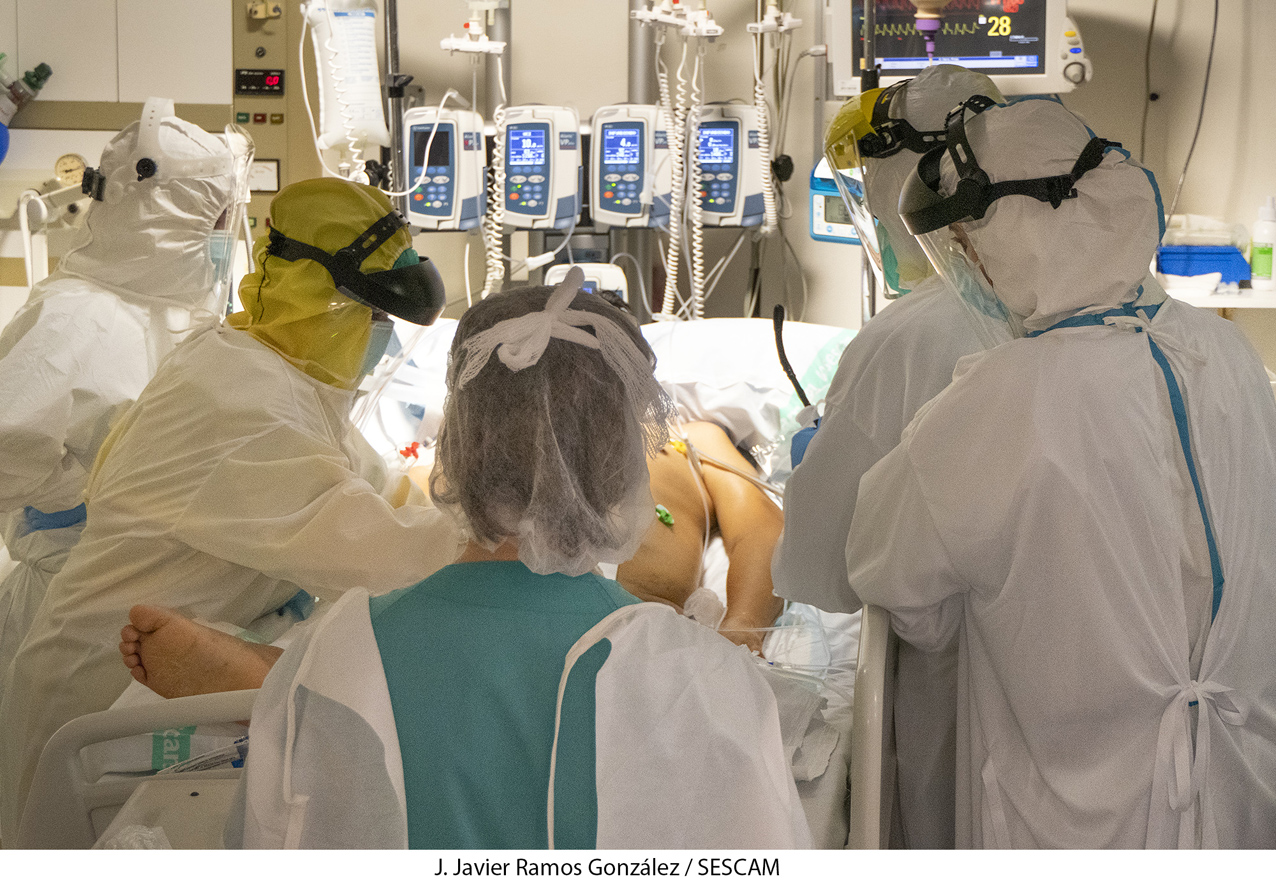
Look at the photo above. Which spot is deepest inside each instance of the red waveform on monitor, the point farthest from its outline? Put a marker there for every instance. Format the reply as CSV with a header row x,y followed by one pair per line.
x,y
976,6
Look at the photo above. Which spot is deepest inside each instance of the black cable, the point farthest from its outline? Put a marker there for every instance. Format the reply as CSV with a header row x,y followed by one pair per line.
x,y
1209,64
784,359
1147,81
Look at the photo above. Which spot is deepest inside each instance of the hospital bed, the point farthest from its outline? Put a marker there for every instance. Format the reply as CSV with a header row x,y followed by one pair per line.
x,y
70,807
719,370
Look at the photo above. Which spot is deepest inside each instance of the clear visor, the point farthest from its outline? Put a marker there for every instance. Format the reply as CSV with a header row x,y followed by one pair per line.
x,y
847,168
231,230
956,260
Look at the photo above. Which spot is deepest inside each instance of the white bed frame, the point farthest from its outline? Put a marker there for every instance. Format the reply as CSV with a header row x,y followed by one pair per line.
x,y
66,810
873,763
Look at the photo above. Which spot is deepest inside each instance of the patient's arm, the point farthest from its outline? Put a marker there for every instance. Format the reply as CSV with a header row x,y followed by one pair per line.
x,y
750,525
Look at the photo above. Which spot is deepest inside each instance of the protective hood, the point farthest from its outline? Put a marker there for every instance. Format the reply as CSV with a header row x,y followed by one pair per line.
x,y
1047,263
924,102
884,132
150,236
293,306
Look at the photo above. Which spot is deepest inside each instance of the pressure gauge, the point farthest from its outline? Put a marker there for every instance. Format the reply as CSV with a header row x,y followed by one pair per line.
x,y
69,169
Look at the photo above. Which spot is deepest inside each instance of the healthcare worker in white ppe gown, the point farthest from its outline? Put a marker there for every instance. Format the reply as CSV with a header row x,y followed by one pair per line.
x,y
153,262
516,699
237,479
900,359
1088,509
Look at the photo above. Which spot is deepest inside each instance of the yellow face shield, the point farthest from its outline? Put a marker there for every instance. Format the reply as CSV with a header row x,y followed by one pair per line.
x,y
294,307
851,125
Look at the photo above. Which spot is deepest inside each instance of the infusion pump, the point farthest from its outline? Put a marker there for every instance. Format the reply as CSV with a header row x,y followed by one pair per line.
x,y
543,174
444,164
730,186
632,176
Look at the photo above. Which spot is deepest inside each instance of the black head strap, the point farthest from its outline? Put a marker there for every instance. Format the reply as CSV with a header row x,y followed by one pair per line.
x,y
344,264
892,135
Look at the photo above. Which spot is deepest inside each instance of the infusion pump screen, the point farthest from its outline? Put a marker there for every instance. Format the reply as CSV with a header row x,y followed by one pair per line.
x,y
527,147
440,147
717,144
991,36
622,145
835,211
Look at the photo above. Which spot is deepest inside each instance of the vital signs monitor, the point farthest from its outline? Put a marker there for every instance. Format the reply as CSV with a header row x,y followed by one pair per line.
x,y
1027,47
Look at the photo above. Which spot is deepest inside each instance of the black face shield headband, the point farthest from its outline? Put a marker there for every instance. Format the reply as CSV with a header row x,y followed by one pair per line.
x,y
414,292
890,136
974,192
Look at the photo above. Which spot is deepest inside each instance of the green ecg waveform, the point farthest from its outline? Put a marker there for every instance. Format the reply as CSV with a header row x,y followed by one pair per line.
x,y
902,29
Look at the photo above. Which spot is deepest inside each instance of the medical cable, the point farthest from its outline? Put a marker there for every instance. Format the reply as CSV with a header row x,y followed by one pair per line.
x,y
642,281
778,316
1209,64
762,111
494,221
693,177
677,149
438,112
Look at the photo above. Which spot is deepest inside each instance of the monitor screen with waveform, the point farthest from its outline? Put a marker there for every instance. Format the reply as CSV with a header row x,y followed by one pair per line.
x,y
990,36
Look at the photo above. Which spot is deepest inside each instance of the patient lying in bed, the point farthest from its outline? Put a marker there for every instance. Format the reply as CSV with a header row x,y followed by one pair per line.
x,y
176,657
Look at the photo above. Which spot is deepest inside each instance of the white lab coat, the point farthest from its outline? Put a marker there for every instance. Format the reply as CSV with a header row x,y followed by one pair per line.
x,y
1040,511
900,360
234,480
688,751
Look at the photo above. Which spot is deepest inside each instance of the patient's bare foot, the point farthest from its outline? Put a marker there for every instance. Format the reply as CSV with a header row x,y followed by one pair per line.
x,y
176,657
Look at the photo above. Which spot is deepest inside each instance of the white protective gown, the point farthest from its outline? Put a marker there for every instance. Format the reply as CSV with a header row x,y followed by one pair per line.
x,y
1040,510
224,510
90,337
900,360
688,744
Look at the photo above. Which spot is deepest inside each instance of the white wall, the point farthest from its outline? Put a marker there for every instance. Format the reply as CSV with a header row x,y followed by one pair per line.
x,y
1233,168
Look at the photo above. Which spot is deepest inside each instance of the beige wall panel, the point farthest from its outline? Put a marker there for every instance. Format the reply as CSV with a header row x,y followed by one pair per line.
x,y
77,38
180,50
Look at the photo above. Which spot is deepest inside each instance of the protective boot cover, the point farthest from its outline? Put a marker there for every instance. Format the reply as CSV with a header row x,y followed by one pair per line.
x,y
688,748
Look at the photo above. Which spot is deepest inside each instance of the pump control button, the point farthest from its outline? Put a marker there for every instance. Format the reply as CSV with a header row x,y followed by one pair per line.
x,y
725,177
535,179
441,180
631,177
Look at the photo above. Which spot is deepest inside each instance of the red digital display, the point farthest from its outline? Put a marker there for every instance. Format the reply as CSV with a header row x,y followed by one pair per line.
x,y
259,82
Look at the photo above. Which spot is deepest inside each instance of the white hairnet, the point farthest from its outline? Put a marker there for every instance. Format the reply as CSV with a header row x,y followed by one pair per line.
x,y
1093,251
150,237
551,412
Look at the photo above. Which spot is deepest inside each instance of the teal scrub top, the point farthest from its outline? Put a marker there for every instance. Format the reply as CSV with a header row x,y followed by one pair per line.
x,y
473,656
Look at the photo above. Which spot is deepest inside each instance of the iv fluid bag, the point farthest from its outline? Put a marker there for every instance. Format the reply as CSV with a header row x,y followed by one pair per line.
x,y
345,44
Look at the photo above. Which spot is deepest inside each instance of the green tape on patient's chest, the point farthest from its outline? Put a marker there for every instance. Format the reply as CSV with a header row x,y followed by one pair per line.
x,y
170,747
